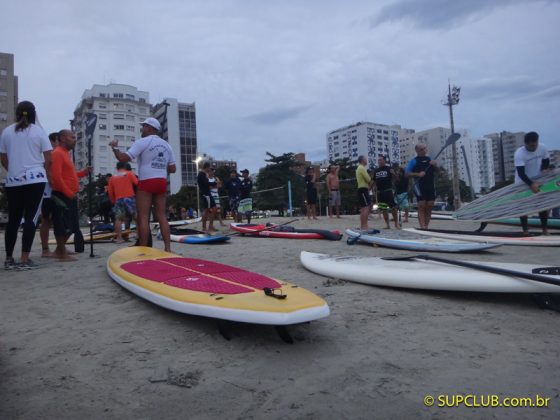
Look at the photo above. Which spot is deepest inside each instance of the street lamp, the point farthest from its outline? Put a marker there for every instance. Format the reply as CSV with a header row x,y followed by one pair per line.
x,y
197,161
453,99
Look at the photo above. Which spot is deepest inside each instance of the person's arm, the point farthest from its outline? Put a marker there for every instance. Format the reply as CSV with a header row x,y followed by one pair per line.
x,y
111,192
329,182
4,160
48,163
121,156
408,171
83,172
521,172
171,168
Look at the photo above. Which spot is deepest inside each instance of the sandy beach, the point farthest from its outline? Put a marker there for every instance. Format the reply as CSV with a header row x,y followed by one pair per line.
x,y
74,344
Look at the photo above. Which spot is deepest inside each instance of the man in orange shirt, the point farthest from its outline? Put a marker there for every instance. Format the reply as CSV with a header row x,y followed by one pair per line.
x,y
65,186
121,193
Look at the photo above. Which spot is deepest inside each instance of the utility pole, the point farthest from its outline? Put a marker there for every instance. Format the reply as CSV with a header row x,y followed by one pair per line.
x,y
453,99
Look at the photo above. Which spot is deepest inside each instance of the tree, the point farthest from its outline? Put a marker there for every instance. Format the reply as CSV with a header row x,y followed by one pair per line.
x,y
277,173
185,197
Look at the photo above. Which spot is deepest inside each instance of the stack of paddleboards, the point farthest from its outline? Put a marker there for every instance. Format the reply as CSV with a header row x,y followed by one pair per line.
x,y
288,232
207,288
175,223
418,244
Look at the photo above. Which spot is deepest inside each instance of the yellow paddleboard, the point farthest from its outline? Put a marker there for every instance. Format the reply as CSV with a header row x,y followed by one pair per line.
x,y
211,289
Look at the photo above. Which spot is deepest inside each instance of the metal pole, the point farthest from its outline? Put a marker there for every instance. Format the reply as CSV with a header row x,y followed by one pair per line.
x,y
290,210
455,181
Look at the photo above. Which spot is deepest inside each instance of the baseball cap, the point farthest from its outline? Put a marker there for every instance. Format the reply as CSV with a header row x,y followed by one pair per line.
x,y
245,170
152,122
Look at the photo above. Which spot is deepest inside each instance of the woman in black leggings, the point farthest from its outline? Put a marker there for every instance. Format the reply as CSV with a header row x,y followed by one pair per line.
x,y
25,152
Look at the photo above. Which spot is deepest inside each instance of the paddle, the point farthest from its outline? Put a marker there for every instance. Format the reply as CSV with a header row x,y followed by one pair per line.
x,y
488,269
353,240
450,140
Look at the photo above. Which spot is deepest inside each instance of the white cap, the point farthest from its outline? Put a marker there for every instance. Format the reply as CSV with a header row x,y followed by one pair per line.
x,y
152,122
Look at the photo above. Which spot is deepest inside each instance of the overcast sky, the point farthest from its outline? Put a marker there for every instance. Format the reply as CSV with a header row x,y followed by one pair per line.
x,y
277,76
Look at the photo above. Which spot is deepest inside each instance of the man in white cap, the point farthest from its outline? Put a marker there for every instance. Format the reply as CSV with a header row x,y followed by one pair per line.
x,y
155,160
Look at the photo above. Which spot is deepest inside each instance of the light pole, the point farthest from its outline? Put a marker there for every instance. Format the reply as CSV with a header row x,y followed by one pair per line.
x,y
453,99
196,162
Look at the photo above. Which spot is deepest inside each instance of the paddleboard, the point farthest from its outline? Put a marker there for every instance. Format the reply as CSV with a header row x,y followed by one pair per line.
x,y
96,237
504,238
288,232
434,216
429,244
206,288
421,274
155,226
552,223
193,236
514,200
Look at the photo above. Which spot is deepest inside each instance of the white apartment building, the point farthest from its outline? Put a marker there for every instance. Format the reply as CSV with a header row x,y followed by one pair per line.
x,y
178,127
8,96
120,109
504,145
368,139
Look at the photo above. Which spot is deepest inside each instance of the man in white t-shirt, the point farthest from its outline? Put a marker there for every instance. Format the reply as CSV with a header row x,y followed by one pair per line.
x,y
530,160
155,160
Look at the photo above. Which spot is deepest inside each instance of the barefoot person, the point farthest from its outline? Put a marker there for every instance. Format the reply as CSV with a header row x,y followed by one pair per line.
x,y
155,162
245,200
121,193
47,208
383,179
530,160
423,167
401,191
65,188
25,153
333,187
364,185
311,193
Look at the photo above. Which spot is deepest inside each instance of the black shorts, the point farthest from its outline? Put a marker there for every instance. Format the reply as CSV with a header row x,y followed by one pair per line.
x,y
364,199
65,214
47,208
312,196
386,197
424,194
207,202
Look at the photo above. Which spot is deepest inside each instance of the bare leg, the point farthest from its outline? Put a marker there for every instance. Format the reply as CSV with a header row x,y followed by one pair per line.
x,y
386,218
61,252
159,203
143,205
422,214
395,217
428,212
44,234
364,213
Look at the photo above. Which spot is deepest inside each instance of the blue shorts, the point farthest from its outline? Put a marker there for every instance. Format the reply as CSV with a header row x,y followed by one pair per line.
x,y
125,208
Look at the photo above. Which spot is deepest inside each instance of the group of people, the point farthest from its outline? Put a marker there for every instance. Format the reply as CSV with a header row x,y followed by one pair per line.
x,y
239,196
42,181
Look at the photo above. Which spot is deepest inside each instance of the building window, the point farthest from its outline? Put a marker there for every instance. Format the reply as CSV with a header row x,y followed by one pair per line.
x,y
102,95
118,127
3,72
118,116
103,126
102,148
102,116
142,110
118,95
142,100
129,96
3,93
130,128
102,106
130,117
3,116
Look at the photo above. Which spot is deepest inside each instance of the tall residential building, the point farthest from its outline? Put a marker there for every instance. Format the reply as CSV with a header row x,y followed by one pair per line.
x,y
120,109
368,139
217,163
504,145
178,125
8,96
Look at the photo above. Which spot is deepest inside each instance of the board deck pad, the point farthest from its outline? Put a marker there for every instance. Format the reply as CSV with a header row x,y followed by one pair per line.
x,y
514,200
212,289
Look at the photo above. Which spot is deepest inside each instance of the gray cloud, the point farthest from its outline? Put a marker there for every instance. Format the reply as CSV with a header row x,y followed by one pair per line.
x,y
442,14
278,116
520,88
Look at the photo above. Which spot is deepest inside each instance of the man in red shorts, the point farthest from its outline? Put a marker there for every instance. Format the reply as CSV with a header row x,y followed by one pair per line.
x,y
155,160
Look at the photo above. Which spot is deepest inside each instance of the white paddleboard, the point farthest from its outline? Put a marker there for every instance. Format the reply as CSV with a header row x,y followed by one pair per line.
x,y
424,245
504,240
421,274
434,216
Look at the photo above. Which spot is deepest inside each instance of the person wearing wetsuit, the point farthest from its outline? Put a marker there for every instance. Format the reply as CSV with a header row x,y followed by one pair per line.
x,y
423,167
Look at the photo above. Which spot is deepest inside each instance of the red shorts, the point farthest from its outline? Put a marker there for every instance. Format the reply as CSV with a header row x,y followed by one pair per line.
x,y
155,186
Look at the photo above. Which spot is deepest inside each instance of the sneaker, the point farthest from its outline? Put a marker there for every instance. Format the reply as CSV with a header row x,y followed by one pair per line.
x,y
9,264
28,265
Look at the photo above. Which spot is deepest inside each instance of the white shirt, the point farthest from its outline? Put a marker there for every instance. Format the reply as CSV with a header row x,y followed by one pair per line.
x,y
25,148
532,161
154,155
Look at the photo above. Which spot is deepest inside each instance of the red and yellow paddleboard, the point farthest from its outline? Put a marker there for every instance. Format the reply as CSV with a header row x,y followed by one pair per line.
x,y
211,289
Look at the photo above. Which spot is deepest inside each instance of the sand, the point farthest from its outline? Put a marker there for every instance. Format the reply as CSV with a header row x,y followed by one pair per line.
x,y
74,344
